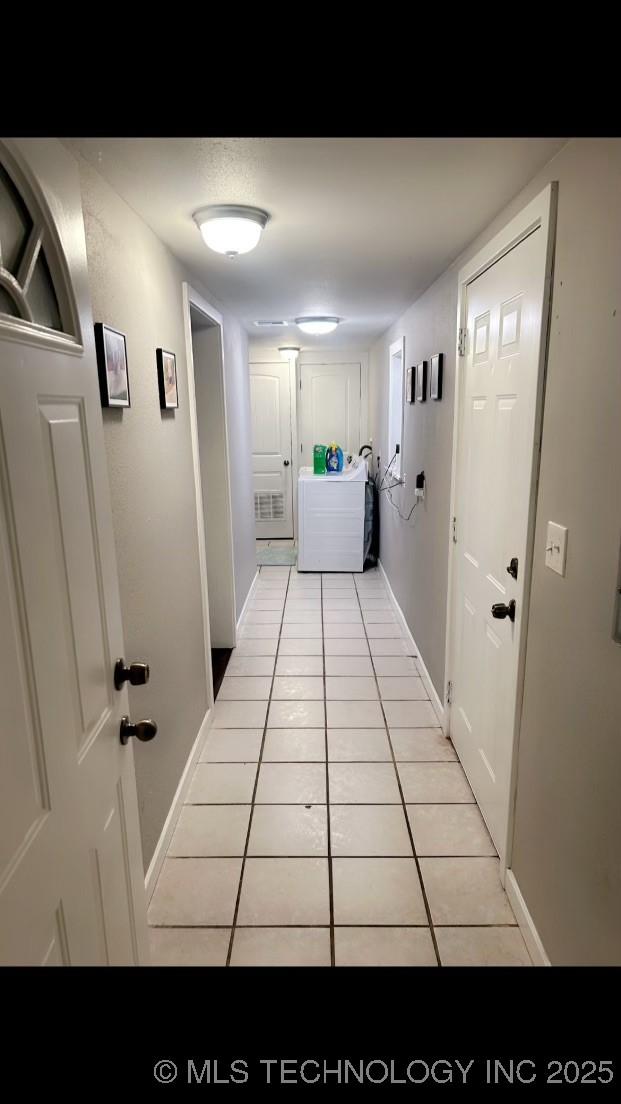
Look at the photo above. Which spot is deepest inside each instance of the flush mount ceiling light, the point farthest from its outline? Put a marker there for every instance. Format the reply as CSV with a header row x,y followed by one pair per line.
x,y
318,324
230,228
289,352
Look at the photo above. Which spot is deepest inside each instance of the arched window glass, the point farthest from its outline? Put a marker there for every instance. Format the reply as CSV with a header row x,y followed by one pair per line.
x,y
26,286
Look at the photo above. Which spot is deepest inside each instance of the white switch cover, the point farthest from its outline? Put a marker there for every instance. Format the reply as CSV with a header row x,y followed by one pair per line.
x,y
556,547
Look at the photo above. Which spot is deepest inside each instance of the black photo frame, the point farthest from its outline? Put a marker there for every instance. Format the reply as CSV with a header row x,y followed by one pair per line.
x,y
421,381
111,350
409,385
167,379
435,376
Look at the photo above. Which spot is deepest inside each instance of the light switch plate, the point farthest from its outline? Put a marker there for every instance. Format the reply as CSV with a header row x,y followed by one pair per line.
x,y
556,547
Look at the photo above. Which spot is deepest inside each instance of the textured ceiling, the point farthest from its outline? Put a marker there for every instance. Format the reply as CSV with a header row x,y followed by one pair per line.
x,y
358,228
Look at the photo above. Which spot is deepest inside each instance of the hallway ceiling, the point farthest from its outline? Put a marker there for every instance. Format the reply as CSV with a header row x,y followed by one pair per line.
x,y
359,226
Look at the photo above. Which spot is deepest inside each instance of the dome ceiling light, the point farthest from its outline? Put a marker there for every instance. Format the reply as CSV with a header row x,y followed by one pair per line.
x,y
318,324
229,228
289,352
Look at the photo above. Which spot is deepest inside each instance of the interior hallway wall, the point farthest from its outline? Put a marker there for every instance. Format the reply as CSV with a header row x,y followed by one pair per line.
x,y
415,553
568,813
136,287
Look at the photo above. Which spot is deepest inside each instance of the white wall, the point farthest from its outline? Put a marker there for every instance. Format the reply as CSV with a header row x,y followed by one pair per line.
x,y
415,553
568,812
136,286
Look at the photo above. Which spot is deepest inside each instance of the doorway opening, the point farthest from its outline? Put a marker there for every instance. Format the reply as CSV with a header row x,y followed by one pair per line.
x,y
210,447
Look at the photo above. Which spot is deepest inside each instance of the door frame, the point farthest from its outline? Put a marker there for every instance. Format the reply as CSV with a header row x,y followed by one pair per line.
x,y
539,213
191,298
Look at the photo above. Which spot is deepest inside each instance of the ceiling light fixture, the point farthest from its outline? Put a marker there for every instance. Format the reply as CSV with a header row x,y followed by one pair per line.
x,y
230,228
289,352
318,324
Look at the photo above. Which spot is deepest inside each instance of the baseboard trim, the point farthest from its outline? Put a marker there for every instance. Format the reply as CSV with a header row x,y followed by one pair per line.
x,y
427,683
531,936
248,597
173,813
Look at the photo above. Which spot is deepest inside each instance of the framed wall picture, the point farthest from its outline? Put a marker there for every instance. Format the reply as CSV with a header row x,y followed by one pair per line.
x,y
435,376
167,379
111,348
409,385
421,381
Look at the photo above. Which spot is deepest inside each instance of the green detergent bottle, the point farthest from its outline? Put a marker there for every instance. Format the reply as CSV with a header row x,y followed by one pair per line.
x,y
319,459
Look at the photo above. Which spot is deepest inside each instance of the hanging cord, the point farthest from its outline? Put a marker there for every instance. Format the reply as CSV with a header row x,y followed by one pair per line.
x,y
396,482
390,487
404,517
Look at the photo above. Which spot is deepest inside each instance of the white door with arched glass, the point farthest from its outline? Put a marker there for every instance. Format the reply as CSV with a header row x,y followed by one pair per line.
x,y
71,872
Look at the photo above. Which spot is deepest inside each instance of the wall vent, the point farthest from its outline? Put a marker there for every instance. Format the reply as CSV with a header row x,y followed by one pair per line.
x,y
269,506
269,322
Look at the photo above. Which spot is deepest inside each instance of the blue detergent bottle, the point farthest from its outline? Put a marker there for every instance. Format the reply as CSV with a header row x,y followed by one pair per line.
x,y
334,459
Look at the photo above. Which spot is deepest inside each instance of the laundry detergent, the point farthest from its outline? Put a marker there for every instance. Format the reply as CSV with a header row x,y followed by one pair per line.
x,y
334,459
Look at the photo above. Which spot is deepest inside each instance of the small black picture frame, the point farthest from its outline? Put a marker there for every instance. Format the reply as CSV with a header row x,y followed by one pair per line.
x,y
167,379
421,381
435,376
111,350
409,385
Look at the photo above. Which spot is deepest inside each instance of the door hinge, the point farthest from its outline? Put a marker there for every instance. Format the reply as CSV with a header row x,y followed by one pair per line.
x,y
301,448
454,530
300,385
461,341
449,693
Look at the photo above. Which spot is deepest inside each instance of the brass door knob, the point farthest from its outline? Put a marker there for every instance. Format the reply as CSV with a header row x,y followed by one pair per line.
x,y
137,674
142,730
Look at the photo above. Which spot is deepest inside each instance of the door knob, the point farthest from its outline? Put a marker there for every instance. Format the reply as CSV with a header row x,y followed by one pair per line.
x,y
142,730
286,463
137,674
499,610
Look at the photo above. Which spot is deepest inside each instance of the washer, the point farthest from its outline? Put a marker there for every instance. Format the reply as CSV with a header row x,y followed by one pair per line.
x,y
331,519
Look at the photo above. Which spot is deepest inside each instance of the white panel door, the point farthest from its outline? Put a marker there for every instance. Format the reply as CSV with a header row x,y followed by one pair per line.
x,y
270,404
329,408
71,873
494,476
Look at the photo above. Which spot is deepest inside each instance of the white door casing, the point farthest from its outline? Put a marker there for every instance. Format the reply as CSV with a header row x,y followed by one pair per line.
x,y
330,407
504,311
270,404
71,871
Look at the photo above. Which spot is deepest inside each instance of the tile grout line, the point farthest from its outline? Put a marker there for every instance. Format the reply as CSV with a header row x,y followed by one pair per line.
x,y
236,762
323,927
256,783
325,736
339,762
182,858
403,801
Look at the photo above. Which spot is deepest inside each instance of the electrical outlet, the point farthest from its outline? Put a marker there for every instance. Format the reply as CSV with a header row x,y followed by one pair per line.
x,y
556,547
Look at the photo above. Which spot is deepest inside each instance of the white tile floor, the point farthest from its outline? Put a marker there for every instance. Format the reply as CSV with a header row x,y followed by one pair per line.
x,y
329,821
